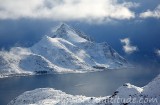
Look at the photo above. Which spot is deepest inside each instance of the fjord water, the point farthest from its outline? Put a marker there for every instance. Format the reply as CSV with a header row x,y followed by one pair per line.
x,y
88,84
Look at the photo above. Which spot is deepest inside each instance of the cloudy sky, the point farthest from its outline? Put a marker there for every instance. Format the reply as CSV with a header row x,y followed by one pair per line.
x,y
132,27
78,10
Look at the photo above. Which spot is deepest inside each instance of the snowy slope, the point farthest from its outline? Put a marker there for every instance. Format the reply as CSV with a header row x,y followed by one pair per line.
x,y
68,33
133,96
55,50
49,96
21,61
9,62
153,88
64,50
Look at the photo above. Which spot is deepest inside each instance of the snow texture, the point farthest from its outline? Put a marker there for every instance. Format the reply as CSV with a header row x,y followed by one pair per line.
x,y
66,50
50,96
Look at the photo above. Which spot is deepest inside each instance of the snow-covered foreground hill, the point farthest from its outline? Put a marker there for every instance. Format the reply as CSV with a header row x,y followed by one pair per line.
x,y
125,95
65,50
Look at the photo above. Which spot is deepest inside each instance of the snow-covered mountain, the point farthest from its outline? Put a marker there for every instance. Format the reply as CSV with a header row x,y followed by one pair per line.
x,y
64,50
125,95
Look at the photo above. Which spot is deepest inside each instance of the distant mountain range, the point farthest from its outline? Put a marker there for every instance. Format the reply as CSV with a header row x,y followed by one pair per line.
x,y
66,50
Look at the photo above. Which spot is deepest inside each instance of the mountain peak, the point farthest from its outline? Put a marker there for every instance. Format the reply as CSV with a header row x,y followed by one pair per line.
x,y
69,33
64,25
63,29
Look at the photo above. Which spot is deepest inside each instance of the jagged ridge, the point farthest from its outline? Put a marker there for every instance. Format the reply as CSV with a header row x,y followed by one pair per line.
x,y
66,50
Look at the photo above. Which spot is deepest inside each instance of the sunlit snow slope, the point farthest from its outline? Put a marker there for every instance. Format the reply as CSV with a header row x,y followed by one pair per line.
x,y
125,95
64,50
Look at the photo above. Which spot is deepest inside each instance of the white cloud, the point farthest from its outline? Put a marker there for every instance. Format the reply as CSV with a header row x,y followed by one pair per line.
x,y
157,51
65,10
148,14
127,47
